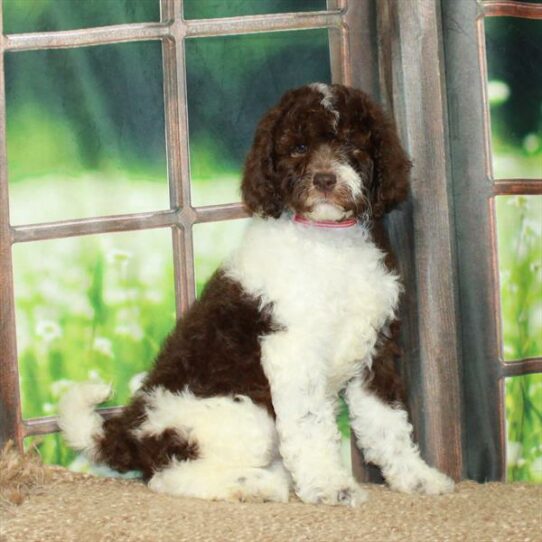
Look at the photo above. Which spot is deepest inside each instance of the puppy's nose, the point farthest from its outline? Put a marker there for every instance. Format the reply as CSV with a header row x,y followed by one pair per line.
x,y
324,181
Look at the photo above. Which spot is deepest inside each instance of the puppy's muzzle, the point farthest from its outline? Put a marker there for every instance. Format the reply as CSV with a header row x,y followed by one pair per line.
x,y
324,181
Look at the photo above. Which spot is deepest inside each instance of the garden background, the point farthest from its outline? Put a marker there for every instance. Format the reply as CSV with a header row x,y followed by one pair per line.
x,y
85,137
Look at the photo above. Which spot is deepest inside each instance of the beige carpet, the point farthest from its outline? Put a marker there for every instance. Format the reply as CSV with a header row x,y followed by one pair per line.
x,y
57,505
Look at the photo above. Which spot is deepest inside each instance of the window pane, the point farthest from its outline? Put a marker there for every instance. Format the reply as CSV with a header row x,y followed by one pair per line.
x,y
519,228
514,56
524,427
213,243
207,9
85,132
93,307
232,81
51,15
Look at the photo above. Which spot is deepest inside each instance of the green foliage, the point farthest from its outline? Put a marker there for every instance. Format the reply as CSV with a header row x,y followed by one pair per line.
x,y
520,262
519,228
33,151
50,15
204,9
524,427
209,159
514,49
90,308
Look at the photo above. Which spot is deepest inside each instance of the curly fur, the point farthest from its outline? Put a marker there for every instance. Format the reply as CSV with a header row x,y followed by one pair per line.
x,y
363,131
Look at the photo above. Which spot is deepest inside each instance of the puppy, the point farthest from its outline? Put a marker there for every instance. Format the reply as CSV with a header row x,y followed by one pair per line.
x,y
242,400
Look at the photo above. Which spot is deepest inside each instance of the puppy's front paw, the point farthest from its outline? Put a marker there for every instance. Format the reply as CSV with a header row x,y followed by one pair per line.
x,y
422,479
349,494
436,483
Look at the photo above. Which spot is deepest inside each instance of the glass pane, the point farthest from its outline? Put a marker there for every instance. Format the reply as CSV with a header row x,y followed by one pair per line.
x,y
213,243
514,56
232,81
51,15
93,307
207,9
524,428
85,132
519,230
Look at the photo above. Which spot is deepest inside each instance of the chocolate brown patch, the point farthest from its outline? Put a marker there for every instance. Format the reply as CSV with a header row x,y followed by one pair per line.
x,y
385,377
214,350
277,175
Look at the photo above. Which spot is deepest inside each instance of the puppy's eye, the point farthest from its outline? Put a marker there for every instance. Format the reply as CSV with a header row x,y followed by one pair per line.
x,y
299,150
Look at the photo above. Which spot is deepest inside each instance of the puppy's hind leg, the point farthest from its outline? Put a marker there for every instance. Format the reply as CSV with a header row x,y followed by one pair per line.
x,y
236,440
207,480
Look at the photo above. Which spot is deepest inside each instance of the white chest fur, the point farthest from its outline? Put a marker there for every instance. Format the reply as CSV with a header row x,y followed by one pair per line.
x,y
328,287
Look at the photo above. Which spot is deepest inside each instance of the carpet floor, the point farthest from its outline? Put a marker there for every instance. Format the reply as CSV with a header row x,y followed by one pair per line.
x,y
80,507
58,505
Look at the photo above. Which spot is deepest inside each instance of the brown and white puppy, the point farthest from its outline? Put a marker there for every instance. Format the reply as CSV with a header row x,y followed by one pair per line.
x,y
242,399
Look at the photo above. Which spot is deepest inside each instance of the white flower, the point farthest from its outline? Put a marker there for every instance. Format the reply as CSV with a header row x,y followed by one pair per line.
x,y
94,375
513,454
104,346
48,330
508,351
531,143
536,468
136,381
48,408
498,92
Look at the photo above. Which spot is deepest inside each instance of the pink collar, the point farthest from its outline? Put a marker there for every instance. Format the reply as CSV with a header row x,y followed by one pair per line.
x,y
348,223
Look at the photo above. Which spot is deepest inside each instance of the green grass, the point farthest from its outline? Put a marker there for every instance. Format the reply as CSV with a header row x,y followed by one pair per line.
x,y
519,227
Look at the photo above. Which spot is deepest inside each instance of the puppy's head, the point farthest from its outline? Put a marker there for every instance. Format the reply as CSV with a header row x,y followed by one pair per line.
x,y
326,152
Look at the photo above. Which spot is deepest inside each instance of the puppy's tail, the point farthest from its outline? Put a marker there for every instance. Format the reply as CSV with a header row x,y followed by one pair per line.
x,y
81,425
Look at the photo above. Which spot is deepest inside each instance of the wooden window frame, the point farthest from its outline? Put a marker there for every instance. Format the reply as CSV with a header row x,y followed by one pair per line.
x,y
345,33
444,237
474,190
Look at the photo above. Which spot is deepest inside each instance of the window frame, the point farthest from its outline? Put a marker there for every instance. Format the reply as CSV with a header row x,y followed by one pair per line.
x,y
344,26
474,191
444,237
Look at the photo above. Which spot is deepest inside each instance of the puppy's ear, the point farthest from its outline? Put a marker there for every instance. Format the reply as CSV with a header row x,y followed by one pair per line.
x,y
260,187
391,164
